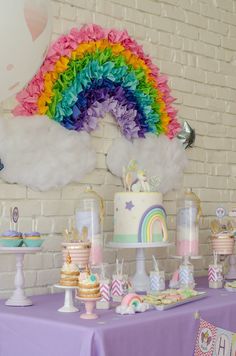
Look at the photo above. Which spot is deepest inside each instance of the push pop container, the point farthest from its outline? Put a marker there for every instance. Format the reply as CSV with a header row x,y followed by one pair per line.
x,y
187,234
89,215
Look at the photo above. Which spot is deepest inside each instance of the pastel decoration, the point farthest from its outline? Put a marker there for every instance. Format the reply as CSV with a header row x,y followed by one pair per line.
x,y
25,31
131,304
92,71
131,299
186,278
157,281
36,17
155,213
215,276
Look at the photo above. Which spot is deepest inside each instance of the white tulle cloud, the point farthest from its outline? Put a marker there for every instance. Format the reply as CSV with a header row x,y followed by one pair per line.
x,y
159,156
39,153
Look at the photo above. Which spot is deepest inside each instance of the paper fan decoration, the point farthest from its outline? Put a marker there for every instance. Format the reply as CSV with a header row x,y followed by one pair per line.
x,y
92,71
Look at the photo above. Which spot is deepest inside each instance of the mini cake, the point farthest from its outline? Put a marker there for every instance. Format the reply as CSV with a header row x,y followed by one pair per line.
x,y
69,273
89,286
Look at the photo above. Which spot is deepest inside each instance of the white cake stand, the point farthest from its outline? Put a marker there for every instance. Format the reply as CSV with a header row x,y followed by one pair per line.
x,y
68,306
140,280
18,298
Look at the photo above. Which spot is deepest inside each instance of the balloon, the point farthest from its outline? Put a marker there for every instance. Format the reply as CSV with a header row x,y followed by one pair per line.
x,y
25,31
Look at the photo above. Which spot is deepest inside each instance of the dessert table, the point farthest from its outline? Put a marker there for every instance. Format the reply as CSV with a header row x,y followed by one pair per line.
x,y
41,330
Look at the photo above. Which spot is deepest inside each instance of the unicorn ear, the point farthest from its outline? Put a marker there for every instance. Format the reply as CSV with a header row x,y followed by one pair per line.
x,y
36,16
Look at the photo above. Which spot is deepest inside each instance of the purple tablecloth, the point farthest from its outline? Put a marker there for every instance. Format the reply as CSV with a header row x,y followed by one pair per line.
x,y
42,331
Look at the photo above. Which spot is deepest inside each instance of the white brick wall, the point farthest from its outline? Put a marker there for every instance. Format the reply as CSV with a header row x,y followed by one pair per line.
x,y
194,42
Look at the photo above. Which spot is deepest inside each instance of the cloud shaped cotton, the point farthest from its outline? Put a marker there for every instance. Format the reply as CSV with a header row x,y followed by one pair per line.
x,y
40,154
159,156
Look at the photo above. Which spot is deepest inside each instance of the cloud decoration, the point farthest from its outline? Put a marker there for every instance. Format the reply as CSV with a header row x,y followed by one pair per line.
x,y
92,71
159,156
41,154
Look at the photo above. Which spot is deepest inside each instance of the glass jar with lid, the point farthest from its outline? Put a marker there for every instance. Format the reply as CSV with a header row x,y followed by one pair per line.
x,y
89,216
187,224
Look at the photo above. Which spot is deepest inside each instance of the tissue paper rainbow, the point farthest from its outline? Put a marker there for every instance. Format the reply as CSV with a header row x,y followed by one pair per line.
x,y
92,71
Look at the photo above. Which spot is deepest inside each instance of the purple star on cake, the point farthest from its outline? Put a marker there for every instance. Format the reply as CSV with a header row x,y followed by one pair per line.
x,y
129,205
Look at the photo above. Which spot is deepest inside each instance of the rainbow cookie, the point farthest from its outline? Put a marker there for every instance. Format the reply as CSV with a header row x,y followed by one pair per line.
x,y
92,71
131,304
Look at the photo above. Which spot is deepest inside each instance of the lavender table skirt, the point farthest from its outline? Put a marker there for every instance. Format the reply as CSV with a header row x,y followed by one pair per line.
x,y
42,331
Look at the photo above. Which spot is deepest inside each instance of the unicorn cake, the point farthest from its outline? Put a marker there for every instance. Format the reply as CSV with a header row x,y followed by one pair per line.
x,y
139,216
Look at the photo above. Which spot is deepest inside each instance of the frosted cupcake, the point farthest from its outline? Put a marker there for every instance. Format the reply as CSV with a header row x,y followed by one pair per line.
x,y
11,238
32,239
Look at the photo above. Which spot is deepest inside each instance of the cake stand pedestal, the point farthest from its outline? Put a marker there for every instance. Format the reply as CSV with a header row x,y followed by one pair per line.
x,y
18,298
89,307
140,280
68,306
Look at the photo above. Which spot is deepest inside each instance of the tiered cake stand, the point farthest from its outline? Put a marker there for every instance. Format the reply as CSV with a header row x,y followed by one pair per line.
x,y
140,280
18,298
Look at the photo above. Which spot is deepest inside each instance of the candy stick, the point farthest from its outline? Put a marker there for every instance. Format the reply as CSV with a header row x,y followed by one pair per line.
x,y
102,272
121,267
215,258
11,219
117,266
155,264
34,223
15,218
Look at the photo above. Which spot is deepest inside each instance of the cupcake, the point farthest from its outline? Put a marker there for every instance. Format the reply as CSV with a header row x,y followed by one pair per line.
x,y
32,239
69,273
11,238
89,286
32,235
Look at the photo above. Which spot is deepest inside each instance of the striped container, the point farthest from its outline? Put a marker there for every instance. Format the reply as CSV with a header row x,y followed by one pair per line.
x,y
79,252
223,244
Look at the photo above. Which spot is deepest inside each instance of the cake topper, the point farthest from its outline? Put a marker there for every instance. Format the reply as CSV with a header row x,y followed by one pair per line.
x,y
68,259
135,179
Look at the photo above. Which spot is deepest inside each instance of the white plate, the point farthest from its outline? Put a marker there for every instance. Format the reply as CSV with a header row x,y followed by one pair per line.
x,y
162,307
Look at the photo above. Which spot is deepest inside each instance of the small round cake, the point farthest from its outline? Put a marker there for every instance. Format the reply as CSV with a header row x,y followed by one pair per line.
x,y
69,273
89,286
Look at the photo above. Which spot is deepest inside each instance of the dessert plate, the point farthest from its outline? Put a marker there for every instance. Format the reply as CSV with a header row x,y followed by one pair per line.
x,y
162,307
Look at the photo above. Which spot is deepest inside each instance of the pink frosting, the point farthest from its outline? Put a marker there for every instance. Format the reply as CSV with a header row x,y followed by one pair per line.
x,y
129,297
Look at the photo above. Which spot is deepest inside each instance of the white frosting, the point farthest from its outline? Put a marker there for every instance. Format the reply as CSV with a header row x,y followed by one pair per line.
x,y
69,267
129,208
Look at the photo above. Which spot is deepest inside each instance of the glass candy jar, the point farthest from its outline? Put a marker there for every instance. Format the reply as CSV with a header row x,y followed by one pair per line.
x,y
187,224
89,215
